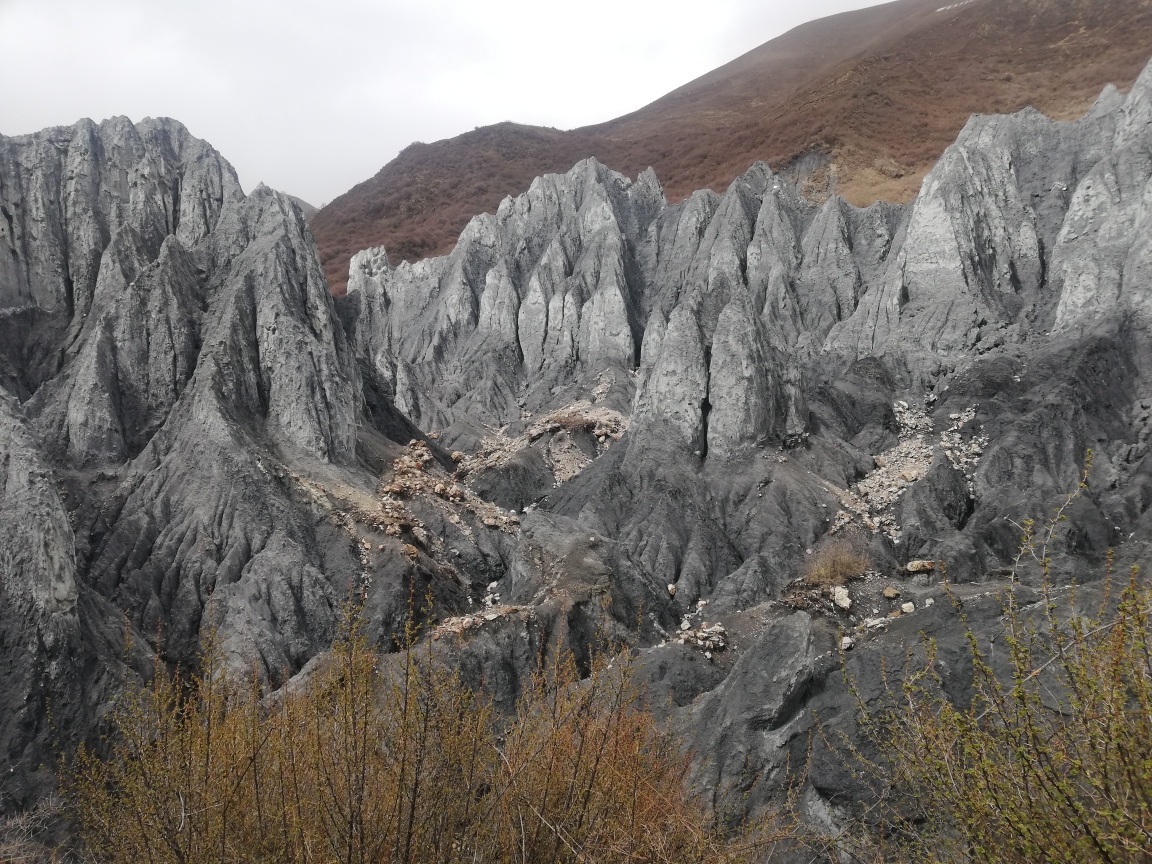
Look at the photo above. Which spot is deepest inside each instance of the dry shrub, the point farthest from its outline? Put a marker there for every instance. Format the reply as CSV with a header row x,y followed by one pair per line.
x,y
573,421
24,835
835,564
375,762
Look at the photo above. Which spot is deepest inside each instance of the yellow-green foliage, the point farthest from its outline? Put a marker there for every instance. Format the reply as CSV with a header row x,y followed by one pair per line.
x,y
411,766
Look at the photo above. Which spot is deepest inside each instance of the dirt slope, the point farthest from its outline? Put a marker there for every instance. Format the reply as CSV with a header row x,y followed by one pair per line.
x,y
860,103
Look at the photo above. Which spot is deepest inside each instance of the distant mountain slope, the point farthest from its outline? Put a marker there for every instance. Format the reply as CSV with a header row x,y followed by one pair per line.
x,y
307,209
875,95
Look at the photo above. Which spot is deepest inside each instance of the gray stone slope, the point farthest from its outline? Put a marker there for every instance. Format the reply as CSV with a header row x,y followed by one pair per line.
x,y
916,377
746,317
602,417
189,442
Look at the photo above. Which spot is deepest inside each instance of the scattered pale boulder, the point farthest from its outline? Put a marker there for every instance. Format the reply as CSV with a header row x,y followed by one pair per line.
x,y
840,597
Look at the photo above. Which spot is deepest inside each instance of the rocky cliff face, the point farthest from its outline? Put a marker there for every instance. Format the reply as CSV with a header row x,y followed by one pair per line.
x,y
914,376
187,433
638,420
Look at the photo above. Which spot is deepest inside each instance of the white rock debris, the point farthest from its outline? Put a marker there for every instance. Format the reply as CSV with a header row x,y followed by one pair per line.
x,y
416,474
841,598
712,637
562,454
963,455
461,624
873,499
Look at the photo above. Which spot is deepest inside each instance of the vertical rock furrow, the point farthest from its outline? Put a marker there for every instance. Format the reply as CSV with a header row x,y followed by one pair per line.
x,y
683,403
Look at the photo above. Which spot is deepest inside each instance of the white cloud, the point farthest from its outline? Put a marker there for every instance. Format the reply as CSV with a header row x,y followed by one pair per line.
x,y
312,97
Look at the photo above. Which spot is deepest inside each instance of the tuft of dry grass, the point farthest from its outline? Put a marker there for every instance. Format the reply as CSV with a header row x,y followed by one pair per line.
x,y
23,835
835,564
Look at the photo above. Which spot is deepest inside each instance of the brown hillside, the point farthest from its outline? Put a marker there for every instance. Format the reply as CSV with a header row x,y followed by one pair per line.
x,y
877,94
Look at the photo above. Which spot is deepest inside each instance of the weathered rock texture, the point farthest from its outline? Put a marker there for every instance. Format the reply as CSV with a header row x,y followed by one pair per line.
x,y
772,357
196,446
639,420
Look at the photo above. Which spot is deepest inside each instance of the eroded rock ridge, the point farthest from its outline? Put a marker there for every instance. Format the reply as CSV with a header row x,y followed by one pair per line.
x,y
601,416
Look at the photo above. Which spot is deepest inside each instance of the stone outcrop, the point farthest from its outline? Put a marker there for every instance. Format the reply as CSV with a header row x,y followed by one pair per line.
x,y
916,377
601,416
196,449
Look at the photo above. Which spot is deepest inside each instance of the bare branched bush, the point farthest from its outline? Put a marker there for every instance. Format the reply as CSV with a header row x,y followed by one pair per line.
x,y
835,564
394,762
1052,758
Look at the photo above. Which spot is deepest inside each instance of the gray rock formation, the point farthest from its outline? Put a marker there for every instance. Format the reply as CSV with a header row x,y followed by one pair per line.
x,y
760,344
639,420
194,437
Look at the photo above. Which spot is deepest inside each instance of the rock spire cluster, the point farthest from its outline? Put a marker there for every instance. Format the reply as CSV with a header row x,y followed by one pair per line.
x,y
601,415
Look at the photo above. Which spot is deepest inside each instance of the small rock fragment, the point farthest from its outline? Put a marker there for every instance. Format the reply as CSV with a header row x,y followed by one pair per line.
x,y
908,608
928,601
891,593
920,566
840,597
846,643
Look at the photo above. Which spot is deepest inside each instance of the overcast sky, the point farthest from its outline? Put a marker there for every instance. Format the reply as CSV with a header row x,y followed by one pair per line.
x,y
313,96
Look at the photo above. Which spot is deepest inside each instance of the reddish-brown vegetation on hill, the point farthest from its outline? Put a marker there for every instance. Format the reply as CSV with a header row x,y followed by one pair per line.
x,y
878,93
